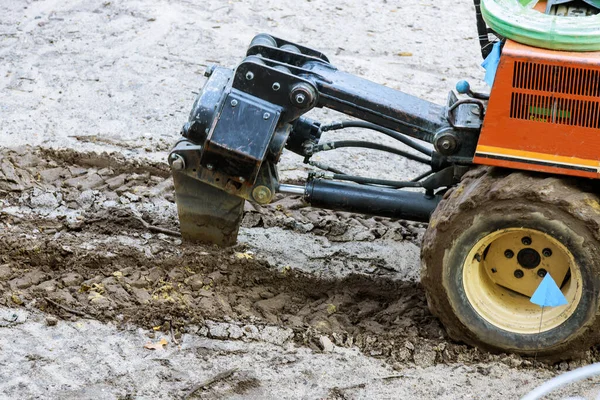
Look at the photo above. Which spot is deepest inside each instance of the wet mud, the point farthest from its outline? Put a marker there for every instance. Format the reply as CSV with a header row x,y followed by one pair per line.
x,y
95,236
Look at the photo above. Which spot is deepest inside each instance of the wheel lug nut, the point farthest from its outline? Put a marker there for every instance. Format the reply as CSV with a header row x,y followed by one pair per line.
x,y
542,272
509,254
518,273
526,240
547,252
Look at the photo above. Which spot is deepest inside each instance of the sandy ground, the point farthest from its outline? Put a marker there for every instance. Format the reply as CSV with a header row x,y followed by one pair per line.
x,y
82,79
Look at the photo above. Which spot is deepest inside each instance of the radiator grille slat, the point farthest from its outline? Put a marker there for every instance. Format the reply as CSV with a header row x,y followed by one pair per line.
x,y
552,81
555,78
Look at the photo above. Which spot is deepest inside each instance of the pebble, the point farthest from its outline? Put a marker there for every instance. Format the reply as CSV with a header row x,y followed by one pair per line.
x,y
326,344
51,321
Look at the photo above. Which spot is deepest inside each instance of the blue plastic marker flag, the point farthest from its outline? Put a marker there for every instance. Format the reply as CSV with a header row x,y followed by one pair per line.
x,y
548,294
491,63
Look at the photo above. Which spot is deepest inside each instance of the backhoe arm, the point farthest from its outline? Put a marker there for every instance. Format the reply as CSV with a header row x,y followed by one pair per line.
x,y
244,118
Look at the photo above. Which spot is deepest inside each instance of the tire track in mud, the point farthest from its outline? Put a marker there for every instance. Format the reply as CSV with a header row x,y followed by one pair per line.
x,y
73,229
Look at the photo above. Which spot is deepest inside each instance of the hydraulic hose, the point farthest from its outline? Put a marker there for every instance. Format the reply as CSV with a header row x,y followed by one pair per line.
x,y
373,181
368,145
334,126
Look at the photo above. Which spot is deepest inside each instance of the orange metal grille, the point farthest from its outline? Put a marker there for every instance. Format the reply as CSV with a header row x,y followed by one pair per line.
x,y
554,110
552,106
556,79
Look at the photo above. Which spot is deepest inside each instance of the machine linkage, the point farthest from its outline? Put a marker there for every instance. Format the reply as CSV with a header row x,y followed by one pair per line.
x,y
244,118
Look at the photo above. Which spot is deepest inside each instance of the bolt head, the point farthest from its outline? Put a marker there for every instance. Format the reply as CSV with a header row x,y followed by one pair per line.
x,y
249,75
276,86
519,273
234,103
526,240
210,167
266,116
542,272
509,253
547,252
446,144
300,98
262,194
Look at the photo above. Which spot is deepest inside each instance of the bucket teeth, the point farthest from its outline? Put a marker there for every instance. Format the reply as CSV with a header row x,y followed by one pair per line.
x,y
207,214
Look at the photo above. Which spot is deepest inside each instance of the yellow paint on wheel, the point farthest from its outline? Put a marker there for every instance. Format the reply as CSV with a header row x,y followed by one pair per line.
x,y
505,267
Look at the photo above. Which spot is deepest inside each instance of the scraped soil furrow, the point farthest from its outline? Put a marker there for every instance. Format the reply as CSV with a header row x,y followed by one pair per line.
x,y
75,241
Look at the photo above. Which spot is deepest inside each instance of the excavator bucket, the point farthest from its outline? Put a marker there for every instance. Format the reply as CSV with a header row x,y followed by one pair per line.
x,y
207,214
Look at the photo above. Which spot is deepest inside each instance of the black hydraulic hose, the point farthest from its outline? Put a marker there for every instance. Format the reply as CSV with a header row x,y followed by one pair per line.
x,y
372,181
334,126
368,145
326,167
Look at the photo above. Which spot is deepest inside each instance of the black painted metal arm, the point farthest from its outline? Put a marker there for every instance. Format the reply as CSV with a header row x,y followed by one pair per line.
x,y
376,103
244,118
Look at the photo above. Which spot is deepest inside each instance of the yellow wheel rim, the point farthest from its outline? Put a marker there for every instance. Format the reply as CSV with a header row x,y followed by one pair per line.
x,y
504,269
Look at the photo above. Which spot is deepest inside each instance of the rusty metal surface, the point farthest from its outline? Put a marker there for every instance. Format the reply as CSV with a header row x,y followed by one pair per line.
x,y
207,214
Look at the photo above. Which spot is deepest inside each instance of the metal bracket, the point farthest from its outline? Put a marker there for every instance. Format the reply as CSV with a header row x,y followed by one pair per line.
x,y
185,158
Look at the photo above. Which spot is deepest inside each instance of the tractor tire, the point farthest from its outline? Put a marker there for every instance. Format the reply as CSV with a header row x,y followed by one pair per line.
x,y
489,244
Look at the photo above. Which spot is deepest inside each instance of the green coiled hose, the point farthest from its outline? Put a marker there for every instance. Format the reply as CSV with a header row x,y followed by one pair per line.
x,y
517,20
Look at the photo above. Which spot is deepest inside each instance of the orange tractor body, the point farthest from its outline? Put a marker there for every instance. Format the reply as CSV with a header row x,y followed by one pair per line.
x,y
545,114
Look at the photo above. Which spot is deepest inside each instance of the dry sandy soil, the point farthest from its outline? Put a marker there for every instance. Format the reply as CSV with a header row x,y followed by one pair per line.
x,y
310,304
